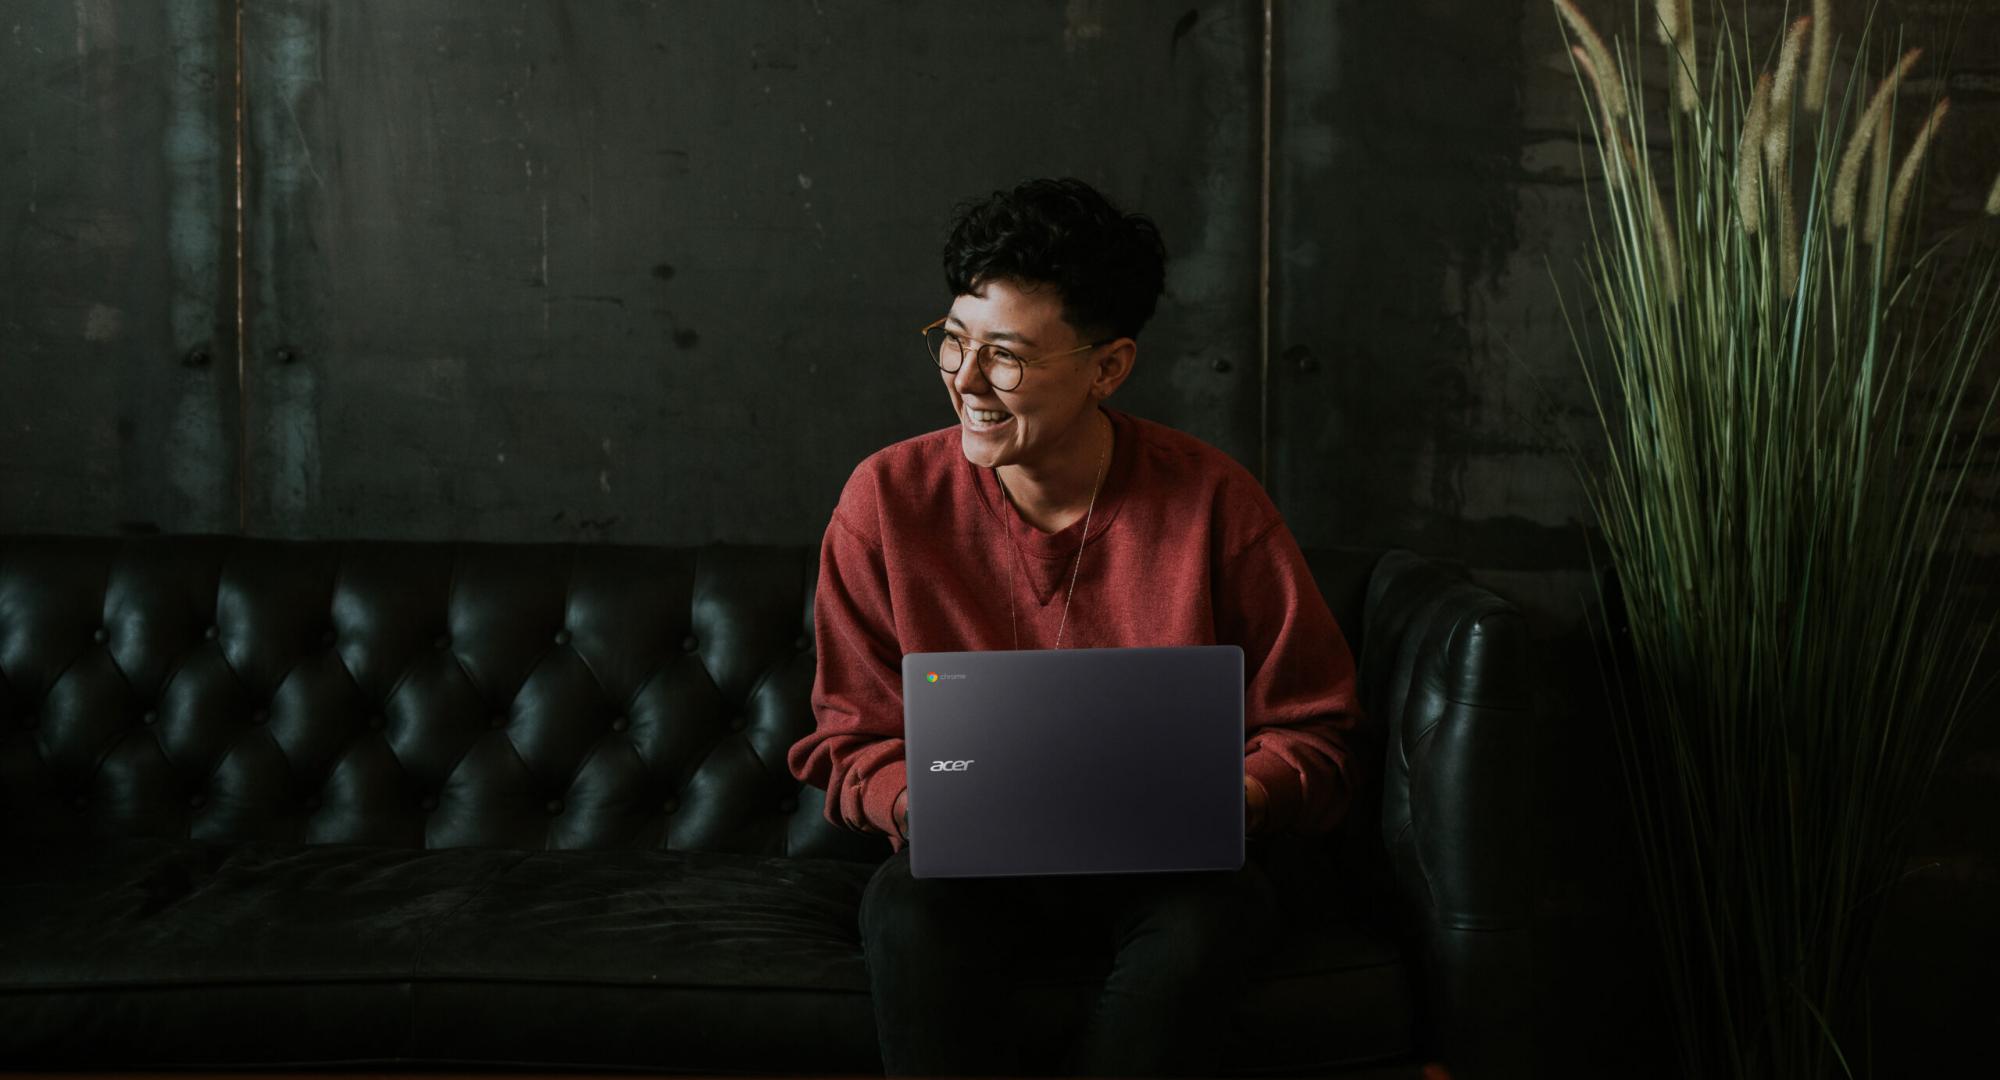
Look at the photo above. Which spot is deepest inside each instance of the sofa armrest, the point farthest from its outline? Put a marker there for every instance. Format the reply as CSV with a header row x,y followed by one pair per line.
x,y
1446,675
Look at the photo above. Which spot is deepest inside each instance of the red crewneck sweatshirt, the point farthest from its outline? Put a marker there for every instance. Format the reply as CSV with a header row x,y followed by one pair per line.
x,y
1185,548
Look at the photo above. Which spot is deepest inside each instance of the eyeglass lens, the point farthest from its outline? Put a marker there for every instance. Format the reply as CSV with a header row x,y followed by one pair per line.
x,y
948,352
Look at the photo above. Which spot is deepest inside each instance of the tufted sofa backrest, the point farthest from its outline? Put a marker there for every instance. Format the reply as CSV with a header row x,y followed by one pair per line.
x,y
427,694
413,694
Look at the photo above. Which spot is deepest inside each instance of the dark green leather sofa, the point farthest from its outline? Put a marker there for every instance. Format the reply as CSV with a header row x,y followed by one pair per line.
x,y
304,804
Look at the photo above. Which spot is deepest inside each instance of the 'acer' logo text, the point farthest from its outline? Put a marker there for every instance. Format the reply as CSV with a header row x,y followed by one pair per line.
x,y
950,766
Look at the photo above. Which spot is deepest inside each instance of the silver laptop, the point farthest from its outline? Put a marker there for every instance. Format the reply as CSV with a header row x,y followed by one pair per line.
x,y
1074,761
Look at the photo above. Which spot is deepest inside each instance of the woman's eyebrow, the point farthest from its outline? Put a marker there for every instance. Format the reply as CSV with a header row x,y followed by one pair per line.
x,y
999,336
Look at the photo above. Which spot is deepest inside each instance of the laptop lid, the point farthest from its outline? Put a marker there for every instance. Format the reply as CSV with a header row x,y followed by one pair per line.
x,y
1074,761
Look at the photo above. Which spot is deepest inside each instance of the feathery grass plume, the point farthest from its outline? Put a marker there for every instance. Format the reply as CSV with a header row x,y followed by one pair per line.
x,y
1993,200
1788,227
1663,234
1673,24
1684,44
1878,176
1778,121
1610,85
1849,174
1589,70
1822,54
1906,180
1750,158
1778,150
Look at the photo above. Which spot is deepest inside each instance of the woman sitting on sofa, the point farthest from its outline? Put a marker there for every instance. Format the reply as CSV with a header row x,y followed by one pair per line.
x,y
1045,519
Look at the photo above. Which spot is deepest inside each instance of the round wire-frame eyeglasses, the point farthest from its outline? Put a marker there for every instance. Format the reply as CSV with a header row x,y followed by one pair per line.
x,y
948,348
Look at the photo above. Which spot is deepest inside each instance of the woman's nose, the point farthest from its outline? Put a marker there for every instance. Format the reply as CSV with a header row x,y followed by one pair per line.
x,y
971,374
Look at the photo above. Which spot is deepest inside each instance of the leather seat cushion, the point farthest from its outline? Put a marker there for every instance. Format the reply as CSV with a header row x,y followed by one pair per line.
x,y
141,949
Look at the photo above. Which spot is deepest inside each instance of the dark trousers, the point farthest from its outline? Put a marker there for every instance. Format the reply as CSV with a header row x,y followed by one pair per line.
x,y
945,956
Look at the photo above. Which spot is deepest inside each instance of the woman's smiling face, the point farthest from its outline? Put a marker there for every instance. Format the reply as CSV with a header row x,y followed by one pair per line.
x,y
1051,396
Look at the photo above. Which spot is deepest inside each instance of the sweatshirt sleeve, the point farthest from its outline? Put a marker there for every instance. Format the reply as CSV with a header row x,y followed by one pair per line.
x,y
1299,684
855,751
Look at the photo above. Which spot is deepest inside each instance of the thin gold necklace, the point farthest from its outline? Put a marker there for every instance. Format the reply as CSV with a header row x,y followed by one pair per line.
x,y
1015,552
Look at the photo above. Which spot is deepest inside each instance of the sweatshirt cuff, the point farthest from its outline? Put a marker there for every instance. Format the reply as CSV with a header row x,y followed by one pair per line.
x,y
1281,786
878,804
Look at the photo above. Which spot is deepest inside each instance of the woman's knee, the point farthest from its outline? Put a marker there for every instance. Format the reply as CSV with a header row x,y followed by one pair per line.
x,y
886,888
1210,913
899,908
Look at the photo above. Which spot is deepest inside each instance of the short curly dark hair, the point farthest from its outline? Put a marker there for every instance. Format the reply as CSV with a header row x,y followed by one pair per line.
x,y
1109,267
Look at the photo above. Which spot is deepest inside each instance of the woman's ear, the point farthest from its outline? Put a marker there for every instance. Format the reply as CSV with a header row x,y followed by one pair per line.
x,y
1116,366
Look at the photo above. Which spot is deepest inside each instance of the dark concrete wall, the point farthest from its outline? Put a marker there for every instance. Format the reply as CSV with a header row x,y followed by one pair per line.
x,y
655,271
640,272
707,226
652,273
117,343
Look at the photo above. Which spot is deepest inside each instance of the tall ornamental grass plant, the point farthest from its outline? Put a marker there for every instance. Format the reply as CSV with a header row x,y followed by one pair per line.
x,y
1802,387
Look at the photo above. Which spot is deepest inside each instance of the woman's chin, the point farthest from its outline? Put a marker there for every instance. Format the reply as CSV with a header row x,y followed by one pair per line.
x,y
982,451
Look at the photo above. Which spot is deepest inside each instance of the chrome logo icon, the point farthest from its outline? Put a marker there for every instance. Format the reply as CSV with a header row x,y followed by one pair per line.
x,y
932,677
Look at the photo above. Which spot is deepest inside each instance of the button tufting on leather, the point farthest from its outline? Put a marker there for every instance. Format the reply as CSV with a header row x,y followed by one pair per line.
x,y
152,716
430,802
555,806
619,724
498,721
101,635
562,637
259,716
688,643
210,633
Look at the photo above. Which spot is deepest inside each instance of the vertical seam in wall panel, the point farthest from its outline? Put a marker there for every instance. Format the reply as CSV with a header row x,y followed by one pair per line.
x,y
1264,263
242,341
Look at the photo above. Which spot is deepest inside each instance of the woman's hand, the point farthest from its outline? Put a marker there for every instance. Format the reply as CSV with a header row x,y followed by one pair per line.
x,y
1255,800
901,812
